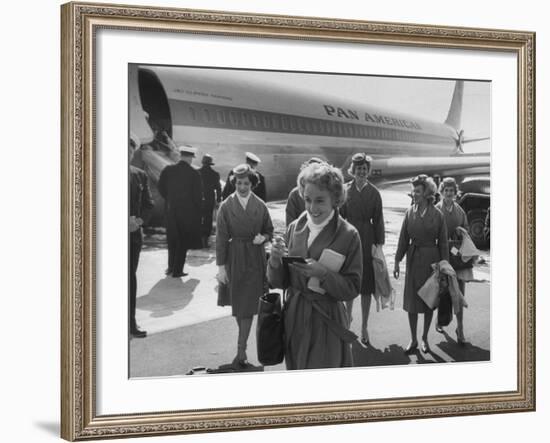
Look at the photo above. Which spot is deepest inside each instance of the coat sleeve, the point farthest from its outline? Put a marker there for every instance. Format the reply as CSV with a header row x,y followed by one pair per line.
x,y
218,188
267,225
276,275
464,222
228,187
260,190
222,236
378,221
147,203
443,238
404,240
162,186
346,284
197,190
291,209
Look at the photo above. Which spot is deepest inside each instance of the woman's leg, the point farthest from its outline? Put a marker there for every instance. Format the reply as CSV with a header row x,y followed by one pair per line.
x,y
413,321
365,309
460,316
349,309
245,325
426,328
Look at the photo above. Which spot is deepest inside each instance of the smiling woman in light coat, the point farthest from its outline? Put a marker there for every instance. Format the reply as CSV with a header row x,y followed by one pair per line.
x,y
316,322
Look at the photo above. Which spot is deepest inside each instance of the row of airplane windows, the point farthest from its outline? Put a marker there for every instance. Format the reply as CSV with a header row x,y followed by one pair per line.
x,y
263,121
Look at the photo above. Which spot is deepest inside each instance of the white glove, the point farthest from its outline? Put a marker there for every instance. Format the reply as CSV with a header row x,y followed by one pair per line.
x,y
259,239
222,275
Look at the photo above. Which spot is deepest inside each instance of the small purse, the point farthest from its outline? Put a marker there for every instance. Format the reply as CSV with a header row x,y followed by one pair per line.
x,y
270,331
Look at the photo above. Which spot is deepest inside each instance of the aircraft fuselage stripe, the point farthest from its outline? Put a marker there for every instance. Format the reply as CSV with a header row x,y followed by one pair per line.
x,y
187,113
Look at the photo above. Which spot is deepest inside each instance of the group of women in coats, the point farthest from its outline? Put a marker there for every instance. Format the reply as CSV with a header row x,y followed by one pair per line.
x,y
347,220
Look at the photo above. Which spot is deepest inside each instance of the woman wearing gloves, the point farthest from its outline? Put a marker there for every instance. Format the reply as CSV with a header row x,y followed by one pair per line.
x,y
423,239
243,226
316,320
455,218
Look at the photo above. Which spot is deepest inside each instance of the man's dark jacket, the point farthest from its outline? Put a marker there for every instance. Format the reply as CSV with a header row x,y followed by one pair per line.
x,y
181,187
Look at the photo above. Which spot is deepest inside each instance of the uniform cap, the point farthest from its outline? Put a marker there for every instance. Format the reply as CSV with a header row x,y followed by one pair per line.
x,y
187,150
252,157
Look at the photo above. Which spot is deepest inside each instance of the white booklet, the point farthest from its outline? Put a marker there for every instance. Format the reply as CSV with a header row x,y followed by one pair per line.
x,y
331,260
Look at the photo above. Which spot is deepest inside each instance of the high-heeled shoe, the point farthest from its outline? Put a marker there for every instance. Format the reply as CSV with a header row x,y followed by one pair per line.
x,y
365,339
424,346
460,339
413,346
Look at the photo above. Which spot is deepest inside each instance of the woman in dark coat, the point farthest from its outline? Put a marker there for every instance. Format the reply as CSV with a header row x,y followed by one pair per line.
x,y
243,227
363,209
455,218
316,320
423,239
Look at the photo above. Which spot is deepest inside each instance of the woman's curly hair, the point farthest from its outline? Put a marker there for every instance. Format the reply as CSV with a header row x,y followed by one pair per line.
x,y
326,177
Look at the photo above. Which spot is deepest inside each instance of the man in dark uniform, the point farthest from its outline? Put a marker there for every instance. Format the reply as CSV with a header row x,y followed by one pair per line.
x,y
212,192
181,187
260,190
141,206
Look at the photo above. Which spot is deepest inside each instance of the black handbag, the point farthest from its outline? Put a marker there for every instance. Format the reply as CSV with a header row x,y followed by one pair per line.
x,y
270,333
445,309
224,296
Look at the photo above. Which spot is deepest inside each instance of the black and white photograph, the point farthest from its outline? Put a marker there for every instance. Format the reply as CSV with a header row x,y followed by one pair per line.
x,y
303,220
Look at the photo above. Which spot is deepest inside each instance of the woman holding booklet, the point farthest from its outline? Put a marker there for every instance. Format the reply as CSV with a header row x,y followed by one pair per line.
x,y
316,320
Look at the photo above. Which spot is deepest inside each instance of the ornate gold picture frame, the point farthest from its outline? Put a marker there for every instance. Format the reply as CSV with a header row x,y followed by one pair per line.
x,y
79,397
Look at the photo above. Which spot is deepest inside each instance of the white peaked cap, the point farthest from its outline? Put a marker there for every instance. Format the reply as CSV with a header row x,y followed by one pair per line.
x,y
186,149
253,157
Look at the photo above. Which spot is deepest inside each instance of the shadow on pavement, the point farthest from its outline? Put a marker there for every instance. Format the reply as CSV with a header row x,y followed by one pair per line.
x,y
468,352
199,258
370,356
167,296
229,368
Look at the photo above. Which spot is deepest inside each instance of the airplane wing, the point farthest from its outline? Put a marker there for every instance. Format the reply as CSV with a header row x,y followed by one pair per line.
x,y
396,168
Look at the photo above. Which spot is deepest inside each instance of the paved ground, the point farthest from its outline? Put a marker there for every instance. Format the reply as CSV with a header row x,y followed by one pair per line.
x,y
186,329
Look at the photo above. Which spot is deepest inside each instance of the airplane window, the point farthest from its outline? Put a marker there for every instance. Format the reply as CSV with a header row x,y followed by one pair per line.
x,y
245,119
284,122
254,120
275,122
207,114
319,126
234,118
266,122
292,124
221,117
192,112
